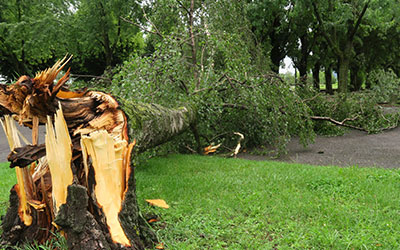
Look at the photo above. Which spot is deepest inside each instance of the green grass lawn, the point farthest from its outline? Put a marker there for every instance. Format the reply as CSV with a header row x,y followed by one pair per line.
x,y
221,203
322,86
7,180
237,204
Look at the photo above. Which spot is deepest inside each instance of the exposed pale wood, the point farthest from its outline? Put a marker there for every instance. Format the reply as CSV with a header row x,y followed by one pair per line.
x,y
108,155
13,140
35,130
59,155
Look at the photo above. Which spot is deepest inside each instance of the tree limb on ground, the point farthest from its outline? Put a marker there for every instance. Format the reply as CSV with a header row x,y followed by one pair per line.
x,y
342,123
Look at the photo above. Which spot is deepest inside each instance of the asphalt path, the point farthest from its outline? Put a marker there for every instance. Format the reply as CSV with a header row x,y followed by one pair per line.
x,y
355,148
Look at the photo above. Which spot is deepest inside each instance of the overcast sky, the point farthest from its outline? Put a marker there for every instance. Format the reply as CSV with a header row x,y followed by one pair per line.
x,y
288,66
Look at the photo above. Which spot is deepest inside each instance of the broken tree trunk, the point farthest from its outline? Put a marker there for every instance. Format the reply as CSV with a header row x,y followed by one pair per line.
x,y
80,182
152,124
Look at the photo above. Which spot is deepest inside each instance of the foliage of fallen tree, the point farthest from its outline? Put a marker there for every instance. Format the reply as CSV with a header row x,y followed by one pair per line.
x,y
213,65
358,110
262,107
265,108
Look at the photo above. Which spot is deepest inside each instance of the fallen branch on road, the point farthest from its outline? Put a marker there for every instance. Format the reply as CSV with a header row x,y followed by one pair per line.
x,y
342,123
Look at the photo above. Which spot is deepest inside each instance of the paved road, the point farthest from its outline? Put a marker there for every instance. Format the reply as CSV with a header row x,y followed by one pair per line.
x,y
355,148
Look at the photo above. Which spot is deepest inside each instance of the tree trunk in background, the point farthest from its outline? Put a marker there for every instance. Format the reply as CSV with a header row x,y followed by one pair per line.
x,y
343,74
356,78
328,80
303,74
343,50
302,61
316,79
367,80
277,53
108,54
353,78
275,59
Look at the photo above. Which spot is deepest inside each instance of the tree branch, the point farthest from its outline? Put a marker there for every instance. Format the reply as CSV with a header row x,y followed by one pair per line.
x,y
193,45
312,98
142,28
354,30
234,105
152,24
183,7
342,123
336,50
220,81
182,84
92,76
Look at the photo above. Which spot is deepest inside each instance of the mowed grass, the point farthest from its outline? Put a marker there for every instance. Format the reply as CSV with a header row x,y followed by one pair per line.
x,y
221,203
7,180
238,204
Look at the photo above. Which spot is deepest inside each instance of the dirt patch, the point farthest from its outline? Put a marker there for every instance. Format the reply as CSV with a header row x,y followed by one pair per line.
x,y
355,148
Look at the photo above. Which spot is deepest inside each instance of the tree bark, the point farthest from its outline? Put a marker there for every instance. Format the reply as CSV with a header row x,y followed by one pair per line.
x,y
343,50
343,74
303,62
316,79
193,45
90,127
152,124
275,59
356,78
368,81
278,42
328,80
303,74
108,53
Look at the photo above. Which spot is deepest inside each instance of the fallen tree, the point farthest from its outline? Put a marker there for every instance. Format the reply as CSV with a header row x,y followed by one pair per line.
x,y
80,182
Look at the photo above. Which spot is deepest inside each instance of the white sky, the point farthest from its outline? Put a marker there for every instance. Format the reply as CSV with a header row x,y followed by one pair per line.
x,y
287,66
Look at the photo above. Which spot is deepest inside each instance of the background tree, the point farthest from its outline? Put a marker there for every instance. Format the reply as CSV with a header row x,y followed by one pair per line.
x,y
340,36
270,22
98,36
303,37
381,33
215,55
31,34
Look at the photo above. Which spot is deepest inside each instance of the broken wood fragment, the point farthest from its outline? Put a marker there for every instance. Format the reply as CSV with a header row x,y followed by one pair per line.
x,y
59,155
108,160
81,180
23,156
13,140
342,123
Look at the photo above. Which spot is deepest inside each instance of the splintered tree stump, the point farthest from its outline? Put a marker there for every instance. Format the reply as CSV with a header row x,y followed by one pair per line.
x,y
81,181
